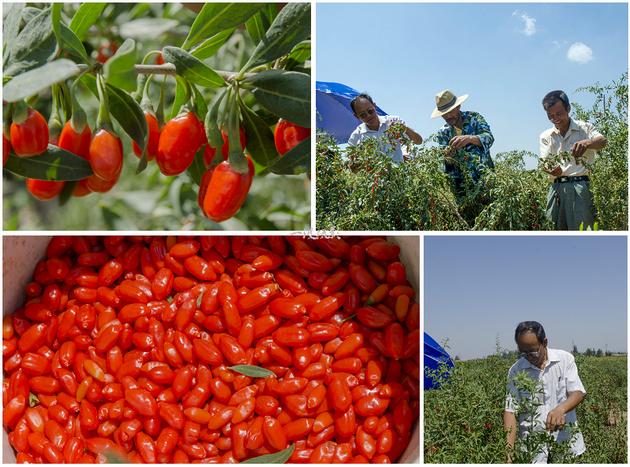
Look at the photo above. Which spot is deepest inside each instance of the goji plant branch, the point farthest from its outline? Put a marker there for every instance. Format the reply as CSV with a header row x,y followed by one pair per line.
x,y
169,69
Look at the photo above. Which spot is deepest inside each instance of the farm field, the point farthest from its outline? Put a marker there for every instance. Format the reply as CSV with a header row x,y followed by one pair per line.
x,y
463,420
359,188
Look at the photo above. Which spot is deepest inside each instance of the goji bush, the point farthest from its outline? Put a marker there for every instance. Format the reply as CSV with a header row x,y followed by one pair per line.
x,y
360,188
213,349
175,91
463,419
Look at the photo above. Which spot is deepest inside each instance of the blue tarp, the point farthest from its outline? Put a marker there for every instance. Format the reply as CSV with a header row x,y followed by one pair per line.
x,y
434,355
334,114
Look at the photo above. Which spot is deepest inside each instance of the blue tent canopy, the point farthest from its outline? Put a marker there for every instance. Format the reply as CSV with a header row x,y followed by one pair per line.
x,y
434,355
334,114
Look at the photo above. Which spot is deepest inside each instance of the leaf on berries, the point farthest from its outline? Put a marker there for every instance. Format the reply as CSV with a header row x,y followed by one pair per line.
x,y
54,164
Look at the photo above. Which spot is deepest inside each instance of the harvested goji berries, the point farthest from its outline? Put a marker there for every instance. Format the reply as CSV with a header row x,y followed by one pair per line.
x,y
213,349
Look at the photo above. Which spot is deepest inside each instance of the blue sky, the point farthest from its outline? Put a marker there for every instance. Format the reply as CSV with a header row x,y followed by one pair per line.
x,y
480,287
505,56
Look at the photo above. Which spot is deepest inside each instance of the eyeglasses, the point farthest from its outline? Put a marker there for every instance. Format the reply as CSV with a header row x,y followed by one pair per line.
x,y
534,354
364,115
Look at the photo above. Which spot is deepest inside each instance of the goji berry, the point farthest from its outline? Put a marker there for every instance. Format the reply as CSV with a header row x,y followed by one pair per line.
x,y
223,190
30,137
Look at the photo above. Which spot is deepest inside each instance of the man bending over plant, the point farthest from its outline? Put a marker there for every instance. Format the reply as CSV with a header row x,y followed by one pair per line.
x,y
466,134
543,390
566,151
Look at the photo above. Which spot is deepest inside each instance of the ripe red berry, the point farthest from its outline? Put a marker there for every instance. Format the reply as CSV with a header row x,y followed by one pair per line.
x,y
179,141
30,137
106,156
76,143
210,152
106,50
223,190
287,135
44,189
154,137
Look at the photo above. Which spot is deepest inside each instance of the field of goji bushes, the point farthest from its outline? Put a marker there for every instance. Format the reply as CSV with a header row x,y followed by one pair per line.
x,y
359,188
463,420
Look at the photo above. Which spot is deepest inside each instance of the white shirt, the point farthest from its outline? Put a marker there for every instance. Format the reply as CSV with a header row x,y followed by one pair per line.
x,y
362,132
553,143
559,377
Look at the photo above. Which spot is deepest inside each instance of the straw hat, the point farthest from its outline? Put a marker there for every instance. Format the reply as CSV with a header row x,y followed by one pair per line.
x,y
445,101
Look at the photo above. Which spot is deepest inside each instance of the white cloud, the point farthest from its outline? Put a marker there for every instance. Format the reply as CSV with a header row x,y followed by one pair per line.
x,y
580,53
529,23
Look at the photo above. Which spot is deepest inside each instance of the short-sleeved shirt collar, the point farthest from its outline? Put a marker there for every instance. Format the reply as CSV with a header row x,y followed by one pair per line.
x,y
552,356
572,127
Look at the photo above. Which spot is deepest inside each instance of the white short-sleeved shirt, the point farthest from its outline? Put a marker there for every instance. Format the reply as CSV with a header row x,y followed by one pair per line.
x,y
362,132
559,377
553,143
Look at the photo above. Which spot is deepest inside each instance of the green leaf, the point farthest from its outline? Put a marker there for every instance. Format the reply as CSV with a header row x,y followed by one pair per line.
x,y
54,164
145,29
296,160
180,97
67,191
257,26
198,166
301,52
279,457
33,400
211,45
124,109
286,94
211,124
216,17
66,39
200,103
34,45
119,69
71,43
191,68
292,25
260,142
251,370
10,27
85,17
37,80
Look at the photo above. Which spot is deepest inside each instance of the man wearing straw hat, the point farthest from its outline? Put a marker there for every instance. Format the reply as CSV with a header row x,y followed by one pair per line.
x,y
467,134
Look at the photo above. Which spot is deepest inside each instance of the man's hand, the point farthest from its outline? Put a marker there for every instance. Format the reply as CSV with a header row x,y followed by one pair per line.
x,y
580,147
458,142
555,420
556,171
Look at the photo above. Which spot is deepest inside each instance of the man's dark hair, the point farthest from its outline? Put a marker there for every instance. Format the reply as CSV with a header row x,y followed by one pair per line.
x,y
530,326
363,95
556,96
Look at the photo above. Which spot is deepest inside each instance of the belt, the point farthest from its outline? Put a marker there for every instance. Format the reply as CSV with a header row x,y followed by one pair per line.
x,y
583,178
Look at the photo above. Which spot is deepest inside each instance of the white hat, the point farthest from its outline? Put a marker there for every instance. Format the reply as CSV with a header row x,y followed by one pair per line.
x,y
445,101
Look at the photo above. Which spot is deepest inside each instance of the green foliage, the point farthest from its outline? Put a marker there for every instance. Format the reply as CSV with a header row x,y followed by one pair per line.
x,y
250,59
609,179
463,420
362,189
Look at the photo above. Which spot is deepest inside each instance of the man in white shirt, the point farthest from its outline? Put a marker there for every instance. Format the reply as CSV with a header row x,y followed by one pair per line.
x,y
563,391
569,200
375,126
